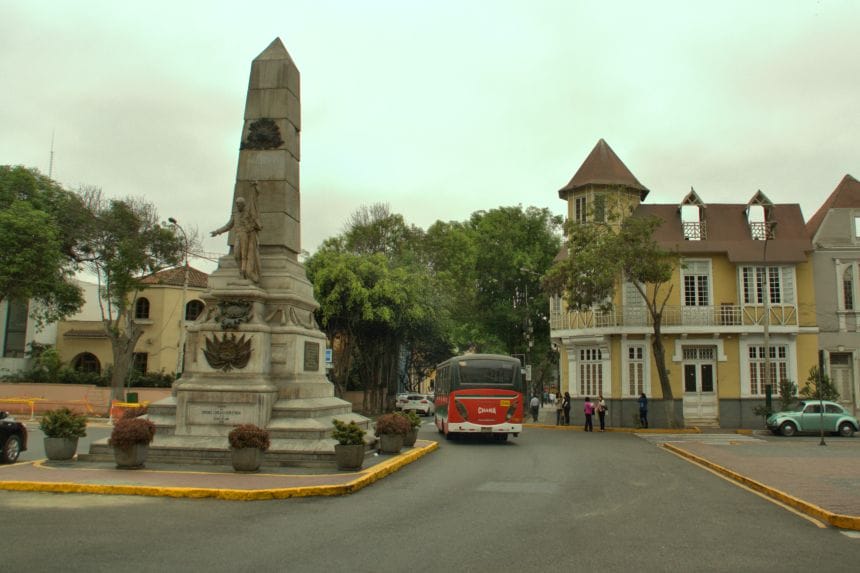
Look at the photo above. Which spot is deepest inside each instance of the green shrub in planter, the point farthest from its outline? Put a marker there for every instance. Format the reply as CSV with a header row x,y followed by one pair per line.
x,y
413,418
128,432
348,434
63,423
392,424
249,436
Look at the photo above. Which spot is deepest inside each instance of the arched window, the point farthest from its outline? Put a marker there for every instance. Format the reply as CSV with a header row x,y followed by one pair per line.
x,y
141,308
848,288
193,309
86,362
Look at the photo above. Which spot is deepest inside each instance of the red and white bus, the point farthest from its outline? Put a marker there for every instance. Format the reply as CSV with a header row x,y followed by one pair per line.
x,y
481,394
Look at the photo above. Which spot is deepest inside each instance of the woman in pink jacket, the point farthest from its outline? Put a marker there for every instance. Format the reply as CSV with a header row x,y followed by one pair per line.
x,y
589,412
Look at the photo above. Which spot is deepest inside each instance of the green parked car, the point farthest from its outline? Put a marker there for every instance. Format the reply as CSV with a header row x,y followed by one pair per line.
x,y
806,418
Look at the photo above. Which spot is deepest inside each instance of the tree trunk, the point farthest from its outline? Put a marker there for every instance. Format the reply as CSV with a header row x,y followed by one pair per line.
x,y
342,361
660,361
123,341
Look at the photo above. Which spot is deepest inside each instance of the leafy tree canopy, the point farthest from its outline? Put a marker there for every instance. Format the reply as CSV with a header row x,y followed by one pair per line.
x,y
40,229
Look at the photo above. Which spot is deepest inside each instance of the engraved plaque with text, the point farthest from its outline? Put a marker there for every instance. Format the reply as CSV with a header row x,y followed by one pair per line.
x,y
312,356
221,414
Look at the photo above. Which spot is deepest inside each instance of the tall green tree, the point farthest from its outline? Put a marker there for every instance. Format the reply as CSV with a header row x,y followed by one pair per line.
x,y
601,256
127,243
41,226
491,265
378,303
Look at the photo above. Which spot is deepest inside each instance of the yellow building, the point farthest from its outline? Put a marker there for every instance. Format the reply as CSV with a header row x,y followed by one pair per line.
x,y
169,302
743,290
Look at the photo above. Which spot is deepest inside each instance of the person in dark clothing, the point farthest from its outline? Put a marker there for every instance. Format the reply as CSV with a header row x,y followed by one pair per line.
x,y
565,405
601,412
643,410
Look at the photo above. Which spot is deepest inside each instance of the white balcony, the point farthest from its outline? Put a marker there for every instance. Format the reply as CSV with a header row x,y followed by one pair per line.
x,y
728,317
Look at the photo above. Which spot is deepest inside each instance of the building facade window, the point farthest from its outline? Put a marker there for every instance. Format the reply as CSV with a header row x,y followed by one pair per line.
x,y
848,288
590,371
635,370
193,309
775,283
86,362
140,362
600,208
580,209
778,368
696,283
141,308
15,340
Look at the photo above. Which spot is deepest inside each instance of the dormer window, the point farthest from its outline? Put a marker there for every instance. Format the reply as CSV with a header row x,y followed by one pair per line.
x,y
758,226
759,217
692,217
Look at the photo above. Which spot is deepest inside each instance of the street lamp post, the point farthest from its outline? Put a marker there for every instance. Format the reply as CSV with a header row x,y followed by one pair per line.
x,y
768,387
180,360
529,333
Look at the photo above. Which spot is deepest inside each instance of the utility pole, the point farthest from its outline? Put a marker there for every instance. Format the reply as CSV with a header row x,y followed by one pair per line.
x,y
180,360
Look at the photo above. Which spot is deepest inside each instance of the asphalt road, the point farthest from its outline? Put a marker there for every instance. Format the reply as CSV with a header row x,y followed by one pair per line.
x,y
547,501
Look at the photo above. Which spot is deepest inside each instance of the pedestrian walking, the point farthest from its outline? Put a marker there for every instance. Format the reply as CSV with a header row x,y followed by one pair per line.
x,y
601,412
559,410
588,408
535,407
565,405
643,410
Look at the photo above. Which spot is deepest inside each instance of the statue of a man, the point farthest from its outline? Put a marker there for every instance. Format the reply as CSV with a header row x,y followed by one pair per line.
x,y
245,222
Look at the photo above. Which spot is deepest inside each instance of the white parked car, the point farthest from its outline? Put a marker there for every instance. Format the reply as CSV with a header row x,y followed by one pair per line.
x,y
401,399
419,403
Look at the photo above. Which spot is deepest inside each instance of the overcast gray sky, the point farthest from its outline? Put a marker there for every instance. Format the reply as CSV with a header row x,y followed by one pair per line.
x,y
437,108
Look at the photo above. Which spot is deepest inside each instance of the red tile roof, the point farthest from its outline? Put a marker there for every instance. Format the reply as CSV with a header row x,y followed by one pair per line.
x,y
603,167
176,277
846,195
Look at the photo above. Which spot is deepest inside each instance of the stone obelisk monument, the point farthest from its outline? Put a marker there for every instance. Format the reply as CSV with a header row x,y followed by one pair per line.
x,y
256,355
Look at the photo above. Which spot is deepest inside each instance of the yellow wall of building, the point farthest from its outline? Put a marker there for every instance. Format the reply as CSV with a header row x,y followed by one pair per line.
x,y
161,332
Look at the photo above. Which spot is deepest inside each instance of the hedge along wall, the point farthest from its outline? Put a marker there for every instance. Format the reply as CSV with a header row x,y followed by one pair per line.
x,y
22,399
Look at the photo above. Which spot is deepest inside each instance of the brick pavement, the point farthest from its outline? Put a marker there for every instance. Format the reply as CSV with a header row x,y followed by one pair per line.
x,y
823,481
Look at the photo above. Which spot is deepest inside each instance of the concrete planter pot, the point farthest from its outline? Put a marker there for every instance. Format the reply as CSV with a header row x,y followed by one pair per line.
x,y
349,457
246,459
61,449
410,438
390,443
131,458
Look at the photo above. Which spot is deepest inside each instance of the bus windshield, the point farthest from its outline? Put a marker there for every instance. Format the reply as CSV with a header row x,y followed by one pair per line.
x,y
491,373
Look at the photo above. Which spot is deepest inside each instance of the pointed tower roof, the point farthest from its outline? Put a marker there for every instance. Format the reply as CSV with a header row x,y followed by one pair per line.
x,y
603,167
846,195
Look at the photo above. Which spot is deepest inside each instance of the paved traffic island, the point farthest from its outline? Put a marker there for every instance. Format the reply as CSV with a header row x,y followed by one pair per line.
x,y
166,481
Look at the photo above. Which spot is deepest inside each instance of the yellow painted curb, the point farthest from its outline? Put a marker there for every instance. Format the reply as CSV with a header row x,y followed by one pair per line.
x,y
366,478
580,428
835,519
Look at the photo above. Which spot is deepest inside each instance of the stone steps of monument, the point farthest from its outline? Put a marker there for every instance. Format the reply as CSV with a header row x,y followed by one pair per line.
x,y
310,407
215,451
311,428
164,407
